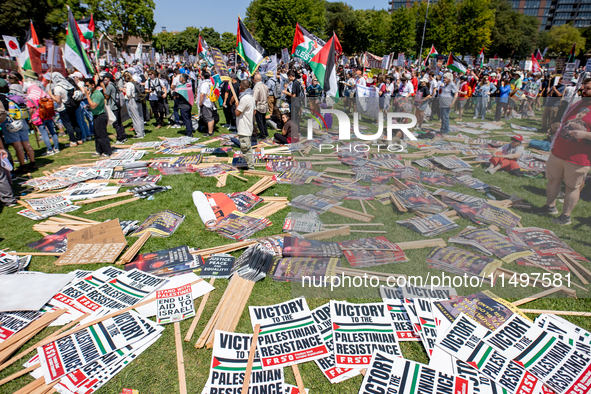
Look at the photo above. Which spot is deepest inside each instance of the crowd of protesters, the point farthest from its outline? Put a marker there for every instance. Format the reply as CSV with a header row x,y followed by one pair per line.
x,y
82,108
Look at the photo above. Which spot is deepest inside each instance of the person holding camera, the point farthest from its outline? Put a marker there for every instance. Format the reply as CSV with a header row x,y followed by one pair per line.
x,y
156,93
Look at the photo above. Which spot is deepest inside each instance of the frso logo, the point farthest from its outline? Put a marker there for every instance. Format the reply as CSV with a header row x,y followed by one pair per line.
x,y
345,125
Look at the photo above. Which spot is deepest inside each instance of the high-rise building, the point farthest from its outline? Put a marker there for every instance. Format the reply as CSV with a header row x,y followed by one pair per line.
x,y
549,12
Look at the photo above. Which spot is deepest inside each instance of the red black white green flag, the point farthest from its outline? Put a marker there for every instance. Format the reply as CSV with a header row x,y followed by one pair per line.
x,y
74,51
324,66
248,48
571,55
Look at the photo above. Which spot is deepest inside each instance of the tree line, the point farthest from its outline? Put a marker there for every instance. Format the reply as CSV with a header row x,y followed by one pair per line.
x,y
461,26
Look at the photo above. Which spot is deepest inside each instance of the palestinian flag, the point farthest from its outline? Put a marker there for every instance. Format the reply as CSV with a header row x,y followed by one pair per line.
x,y
31,39
203,51
571,55
248,48
305,44
535,66
432,53
74,51
481,58
324,66
539,55
455,64
86,26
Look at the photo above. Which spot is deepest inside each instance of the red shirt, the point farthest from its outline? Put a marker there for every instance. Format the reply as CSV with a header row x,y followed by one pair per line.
x,y
466,89
415,83
571,150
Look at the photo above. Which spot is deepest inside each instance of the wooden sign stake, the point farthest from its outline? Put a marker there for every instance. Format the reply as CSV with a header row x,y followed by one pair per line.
x,y
198,314
251,353
180,362
298,378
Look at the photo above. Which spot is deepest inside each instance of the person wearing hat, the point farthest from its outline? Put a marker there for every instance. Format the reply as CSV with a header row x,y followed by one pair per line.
x,y
507,156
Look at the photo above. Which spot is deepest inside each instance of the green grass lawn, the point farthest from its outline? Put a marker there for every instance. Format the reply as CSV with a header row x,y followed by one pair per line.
x,y
155,370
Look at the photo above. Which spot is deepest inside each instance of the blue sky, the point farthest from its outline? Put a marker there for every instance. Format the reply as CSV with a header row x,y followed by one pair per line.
x,y
222,15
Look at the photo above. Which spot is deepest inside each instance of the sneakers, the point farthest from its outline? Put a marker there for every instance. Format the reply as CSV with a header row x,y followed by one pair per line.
x,y
48,153
73,144
138,137
95,154
118,142
491,170
176,126
105,155
562,220
232,128
548,210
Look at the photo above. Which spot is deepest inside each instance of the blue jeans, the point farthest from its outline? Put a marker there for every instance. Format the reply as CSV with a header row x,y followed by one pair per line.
x,y
47,128
82,122
444,115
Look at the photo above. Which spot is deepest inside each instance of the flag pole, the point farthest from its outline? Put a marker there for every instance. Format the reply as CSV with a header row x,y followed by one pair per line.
x,y
424,28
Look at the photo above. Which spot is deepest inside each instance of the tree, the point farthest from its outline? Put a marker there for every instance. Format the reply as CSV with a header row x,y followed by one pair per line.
x,y
529,27
48,17
513,34
165,41
403,25
443,29
272,22
227,42
475,22
341,19
379,32
122,19
586,33
563,37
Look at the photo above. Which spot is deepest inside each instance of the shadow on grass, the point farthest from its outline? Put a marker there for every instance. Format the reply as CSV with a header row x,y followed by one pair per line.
x,y
534,190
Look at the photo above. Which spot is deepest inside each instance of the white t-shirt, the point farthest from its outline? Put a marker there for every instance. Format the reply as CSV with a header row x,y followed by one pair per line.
x,y
129,91
63,93
204,88
244,122
361,81
406,89
176,81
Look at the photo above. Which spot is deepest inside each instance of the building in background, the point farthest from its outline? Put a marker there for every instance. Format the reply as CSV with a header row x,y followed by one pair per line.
x,y
549,12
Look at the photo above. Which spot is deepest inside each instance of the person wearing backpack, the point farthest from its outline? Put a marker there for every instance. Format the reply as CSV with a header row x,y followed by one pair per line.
x,y
156,92
42,118
274,91
206,107
133,105
63,95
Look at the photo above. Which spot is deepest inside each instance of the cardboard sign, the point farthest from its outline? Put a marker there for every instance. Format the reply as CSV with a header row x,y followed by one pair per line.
x,y
323,322
220,64
288,334
360,329
401,60
174,304
285,56
101,243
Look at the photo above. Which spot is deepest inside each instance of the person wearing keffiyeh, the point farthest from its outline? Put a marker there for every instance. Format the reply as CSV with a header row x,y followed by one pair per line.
x,y
185,98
